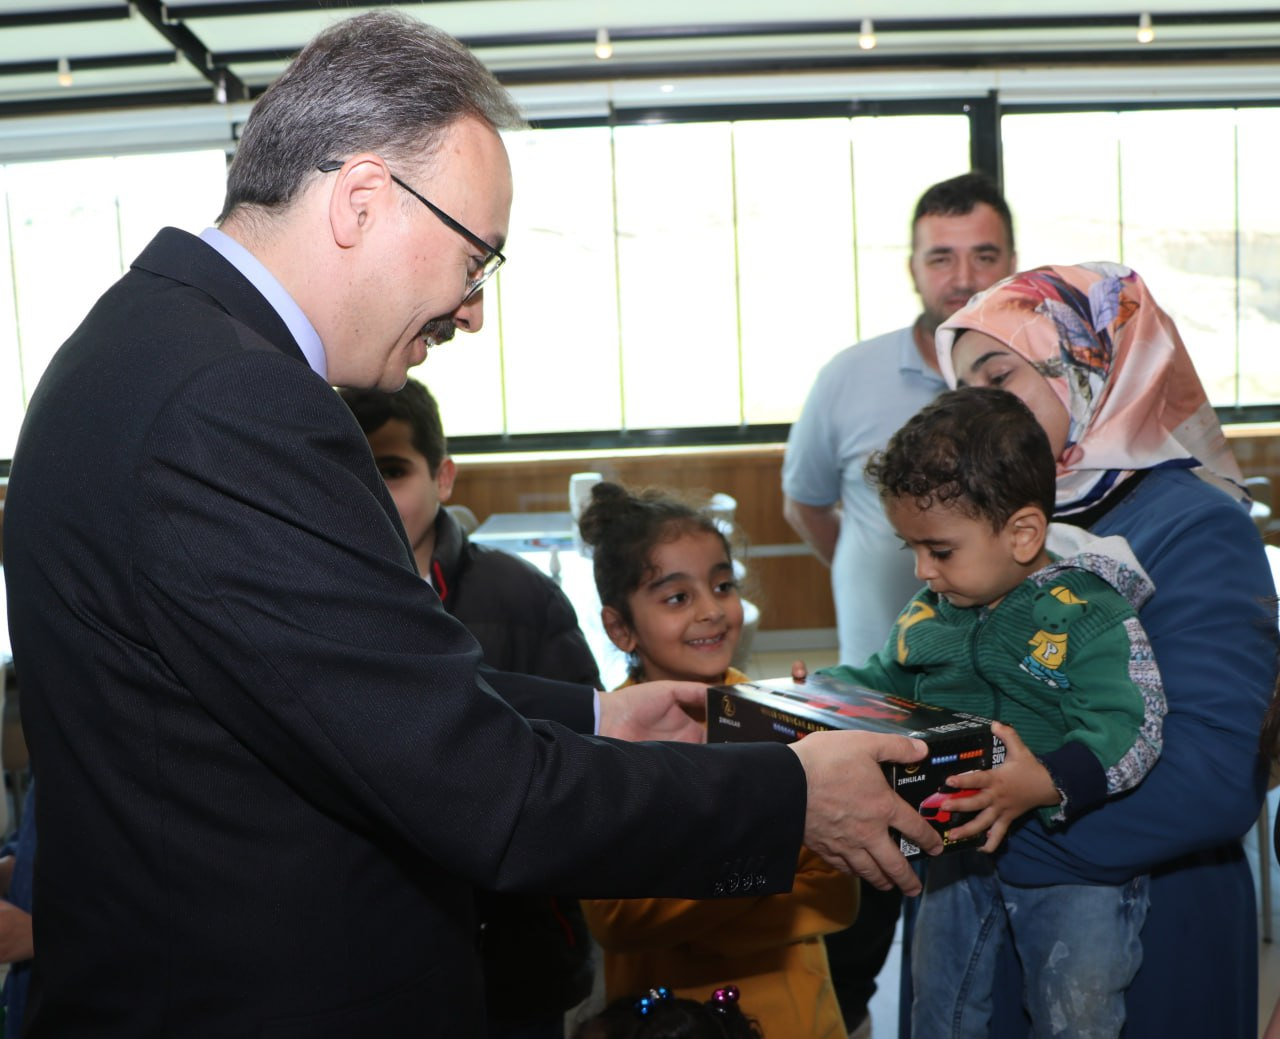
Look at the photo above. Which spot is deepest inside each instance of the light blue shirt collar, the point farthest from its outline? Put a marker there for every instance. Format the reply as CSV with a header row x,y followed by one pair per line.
x,y
282,303
909,359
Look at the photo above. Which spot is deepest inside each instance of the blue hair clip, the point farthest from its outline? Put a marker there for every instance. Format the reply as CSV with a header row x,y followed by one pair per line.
x,y
647,1002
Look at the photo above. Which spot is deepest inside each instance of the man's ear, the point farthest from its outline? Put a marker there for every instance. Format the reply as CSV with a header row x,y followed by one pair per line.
x,y
618,630
446,472
1027,529
361,186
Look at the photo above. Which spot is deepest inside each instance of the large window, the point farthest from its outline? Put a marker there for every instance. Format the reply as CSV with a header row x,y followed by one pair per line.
x,y
688,275
672,276
72,228
694,276
1184,197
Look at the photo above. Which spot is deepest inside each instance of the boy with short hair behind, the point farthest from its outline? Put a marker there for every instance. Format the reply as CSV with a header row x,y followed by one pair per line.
x,y
1050,646
536,950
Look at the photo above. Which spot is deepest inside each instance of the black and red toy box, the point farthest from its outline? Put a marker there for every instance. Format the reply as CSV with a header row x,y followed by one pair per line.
x,y
783,710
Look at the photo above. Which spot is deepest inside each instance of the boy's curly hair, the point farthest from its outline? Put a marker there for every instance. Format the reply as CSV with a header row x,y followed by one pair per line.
x,y
976,449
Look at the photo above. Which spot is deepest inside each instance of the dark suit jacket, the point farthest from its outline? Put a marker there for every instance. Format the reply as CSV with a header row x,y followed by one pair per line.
x,y
252,820
521,618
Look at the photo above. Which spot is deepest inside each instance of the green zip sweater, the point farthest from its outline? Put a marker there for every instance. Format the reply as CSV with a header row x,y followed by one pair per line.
x,y
1062,658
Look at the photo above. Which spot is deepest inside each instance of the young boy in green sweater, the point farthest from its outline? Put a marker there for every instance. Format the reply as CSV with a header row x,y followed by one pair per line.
x,y
1050,647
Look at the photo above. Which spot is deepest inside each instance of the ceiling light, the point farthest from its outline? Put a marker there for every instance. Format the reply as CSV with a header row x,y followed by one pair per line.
x,y
220,91
1145,31
604,48
64,72
667,88
867,35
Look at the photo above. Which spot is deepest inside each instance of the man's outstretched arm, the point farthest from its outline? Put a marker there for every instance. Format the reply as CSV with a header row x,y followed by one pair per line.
x,y
851,808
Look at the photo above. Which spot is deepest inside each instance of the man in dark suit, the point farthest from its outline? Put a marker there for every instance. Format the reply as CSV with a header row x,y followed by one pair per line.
x,y
270,767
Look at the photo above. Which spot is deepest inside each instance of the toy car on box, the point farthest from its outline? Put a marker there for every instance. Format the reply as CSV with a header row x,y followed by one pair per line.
x,y
784,710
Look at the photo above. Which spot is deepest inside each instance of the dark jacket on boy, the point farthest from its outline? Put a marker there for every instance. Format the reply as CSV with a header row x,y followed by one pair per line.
x,y
519,615
536,949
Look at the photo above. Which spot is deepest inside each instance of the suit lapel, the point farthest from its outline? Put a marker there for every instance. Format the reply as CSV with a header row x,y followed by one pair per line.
x,y
183,258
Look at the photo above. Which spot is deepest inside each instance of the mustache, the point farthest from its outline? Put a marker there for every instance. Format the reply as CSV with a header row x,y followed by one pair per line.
x,y
440,330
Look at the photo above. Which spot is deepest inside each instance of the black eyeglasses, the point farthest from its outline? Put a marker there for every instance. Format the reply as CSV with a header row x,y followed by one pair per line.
x,y
493,258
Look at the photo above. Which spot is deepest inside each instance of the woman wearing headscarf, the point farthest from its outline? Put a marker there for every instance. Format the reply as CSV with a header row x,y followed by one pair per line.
x,y
1141,454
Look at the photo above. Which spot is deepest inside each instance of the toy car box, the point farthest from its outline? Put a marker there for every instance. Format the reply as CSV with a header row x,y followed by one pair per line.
x,y
783,710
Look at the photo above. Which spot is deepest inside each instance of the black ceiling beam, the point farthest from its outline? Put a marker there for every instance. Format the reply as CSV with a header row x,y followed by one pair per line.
x,y
112,61
884,27
845,109
854,61
104,102
255,56
863,61
67,16
226,82
1208,16
244,7
169,20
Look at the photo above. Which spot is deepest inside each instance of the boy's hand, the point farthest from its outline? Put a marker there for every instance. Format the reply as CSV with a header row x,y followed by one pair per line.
x,y
1004,793
799,672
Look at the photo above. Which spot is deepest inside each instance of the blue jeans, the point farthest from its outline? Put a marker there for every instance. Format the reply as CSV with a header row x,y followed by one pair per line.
x,y
1079,945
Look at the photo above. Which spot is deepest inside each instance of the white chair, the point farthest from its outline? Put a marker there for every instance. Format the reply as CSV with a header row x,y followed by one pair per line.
x,y
723,508
464,517
750,625
1263,508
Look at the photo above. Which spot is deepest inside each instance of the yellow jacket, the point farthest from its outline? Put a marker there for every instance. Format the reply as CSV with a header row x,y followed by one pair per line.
x,y
770,946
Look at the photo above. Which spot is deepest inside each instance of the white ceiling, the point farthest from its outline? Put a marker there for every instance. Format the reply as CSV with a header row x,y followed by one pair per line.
x,y
144,62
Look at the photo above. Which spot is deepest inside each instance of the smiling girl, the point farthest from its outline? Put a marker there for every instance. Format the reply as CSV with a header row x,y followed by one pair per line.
x,y
666,582
665,577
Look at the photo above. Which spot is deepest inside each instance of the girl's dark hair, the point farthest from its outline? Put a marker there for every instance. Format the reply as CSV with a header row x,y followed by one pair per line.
x,y
976,449
622,527
669,1018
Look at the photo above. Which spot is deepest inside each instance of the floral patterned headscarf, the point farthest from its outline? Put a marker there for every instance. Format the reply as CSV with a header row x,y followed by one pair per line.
x,y
1118,365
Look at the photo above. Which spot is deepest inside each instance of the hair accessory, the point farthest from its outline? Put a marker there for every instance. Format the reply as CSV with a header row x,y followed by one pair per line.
x,y
655,995
724,998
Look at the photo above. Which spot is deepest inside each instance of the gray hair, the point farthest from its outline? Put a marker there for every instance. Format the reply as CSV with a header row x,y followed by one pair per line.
x,y
380,82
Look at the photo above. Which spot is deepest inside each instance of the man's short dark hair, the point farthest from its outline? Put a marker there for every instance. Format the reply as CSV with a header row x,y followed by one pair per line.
x,y
412,404
977,449
959,196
